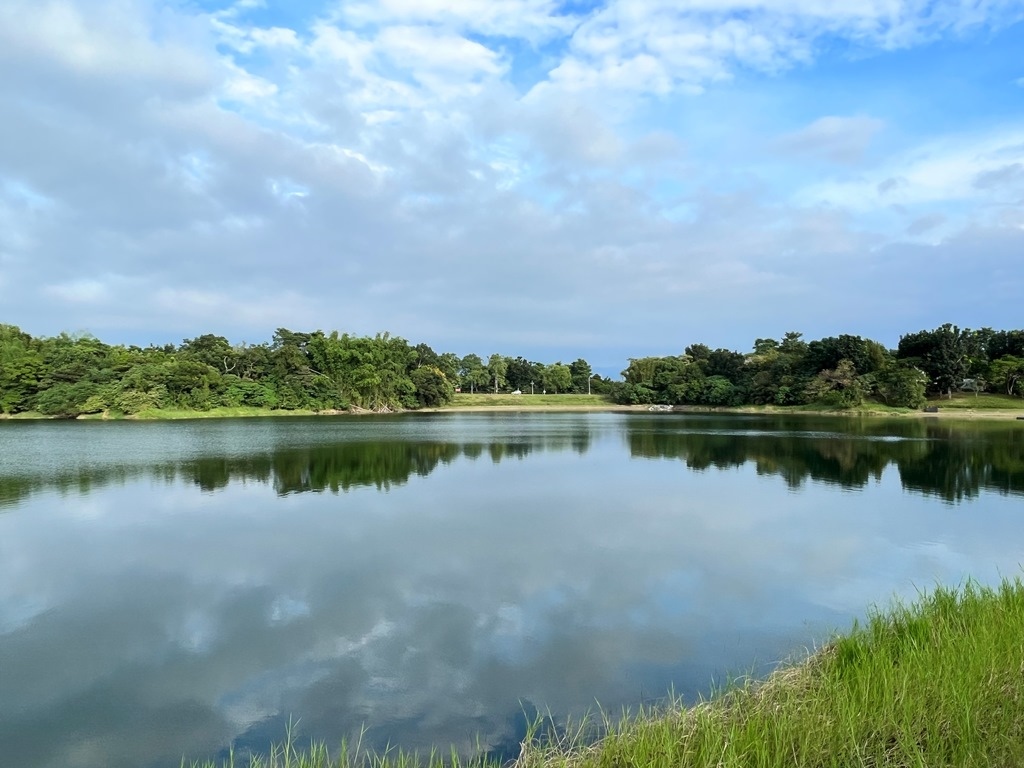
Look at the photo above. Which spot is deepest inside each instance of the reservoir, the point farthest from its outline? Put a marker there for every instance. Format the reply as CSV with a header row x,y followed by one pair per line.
x,y
179,589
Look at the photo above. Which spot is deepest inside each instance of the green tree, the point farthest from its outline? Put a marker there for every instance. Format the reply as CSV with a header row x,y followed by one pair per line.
x,y
867,356
1007,373
432,387
214,351
557,378
840,387
944,354
496,368
21,368
521,374
901,386
449,364
581,374
472,372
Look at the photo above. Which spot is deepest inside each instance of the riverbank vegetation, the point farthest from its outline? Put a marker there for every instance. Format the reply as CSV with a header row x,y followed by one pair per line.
x,y
71,376
938,682
837,372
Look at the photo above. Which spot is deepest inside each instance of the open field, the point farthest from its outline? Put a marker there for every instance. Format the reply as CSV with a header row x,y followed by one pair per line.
x,y
465,401
939,682
961,406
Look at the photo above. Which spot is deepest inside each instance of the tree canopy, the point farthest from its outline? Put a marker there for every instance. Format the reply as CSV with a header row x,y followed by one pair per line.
x,y
70,375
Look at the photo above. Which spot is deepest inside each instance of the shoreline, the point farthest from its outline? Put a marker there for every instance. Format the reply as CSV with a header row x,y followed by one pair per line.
x,y
932,682
948,414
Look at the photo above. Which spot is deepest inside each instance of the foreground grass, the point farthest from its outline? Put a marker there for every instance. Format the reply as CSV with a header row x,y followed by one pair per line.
x,y
939,682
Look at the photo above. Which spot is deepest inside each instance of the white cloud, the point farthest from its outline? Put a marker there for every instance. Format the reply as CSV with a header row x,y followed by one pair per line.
x,y
108,39
952,169
83,291
698,42
210,306
419,48
533,20
245,87
841,140
498,152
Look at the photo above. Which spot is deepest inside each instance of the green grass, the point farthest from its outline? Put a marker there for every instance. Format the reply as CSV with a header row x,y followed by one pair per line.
x,y
968,400
222,412
23,415
467,400
939,682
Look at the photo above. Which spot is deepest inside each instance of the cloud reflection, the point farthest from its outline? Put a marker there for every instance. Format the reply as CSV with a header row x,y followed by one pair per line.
x,y
433,606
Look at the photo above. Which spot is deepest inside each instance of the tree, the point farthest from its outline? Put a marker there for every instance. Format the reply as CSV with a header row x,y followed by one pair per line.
x,y
1007,373
944,354
496,368
726,363
448,363
472,372
521,373
901,386
21,367
867,356
424,355
840,387
432,387
580,373
215,351
1003,343
557,378
775,373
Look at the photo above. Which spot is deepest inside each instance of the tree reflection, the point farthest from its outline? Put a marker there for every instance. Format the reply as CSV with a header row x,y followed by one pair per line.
x,y
951,462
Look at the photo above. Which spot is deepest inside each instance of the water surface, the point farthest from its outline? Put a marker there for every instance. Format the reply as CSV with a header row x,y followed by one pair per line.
x,y
171,589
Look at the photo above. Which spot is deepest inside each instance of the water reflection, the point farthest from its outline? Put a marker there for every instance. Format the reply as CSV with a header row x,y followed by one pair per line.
x,y
430,579
951,461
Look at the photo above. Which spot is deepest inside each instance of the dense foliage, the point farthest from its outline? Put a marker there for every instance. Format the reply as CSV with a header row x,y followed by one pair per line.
x,y
73,375
839,371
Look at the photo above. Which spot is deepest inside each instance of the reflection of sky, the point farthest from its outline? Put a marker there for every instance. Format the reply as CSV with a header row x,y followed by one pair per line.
x,y
144,620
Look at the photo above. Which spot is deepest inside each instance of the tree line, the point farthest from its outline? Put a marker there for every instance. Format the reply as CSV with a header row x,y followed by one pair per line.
x,y
839,371
71,375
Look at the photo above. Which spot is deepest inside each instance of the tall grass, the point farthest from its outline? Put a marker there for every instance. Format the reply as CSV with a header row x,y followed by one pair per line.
x,y
939,682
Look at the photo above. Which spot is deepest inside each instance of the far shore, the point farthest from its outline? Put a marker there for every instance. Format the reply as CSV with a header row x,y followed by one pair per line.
x,y
958,411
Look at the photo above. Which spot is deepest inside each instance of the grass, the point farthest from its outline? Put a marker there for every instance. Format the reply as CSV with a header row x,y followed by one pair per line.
x,y
986,401
221,412
467,400
939,682
23,415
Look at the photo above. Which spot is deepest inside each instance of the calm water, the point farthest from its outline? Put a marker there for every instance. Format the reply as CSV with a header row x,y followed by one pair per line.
x,y
172,589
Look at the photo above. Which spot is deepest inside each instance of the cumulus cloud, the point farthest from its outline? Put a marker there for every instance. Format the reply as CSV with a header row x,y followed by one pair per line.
x,y
531,165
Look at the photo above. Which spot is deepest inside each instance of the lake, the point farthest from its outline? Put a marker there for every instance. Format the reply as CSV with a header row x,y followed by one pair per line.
x,y
175,589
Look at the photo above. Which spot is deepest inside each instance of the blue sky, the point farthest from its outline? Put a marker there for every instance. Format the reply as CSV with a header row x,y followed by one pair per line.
x,y
598,179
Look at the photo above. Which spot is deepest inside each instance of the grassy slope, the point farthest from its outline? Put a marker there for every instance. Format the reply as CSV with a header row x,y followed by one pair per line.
x,y
969,401
936,683
483,399
222,412
996,406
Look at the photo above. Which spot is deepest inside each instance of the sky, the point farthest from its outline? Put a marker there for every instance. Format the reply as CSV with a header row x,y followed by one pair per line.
x,y
595,178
